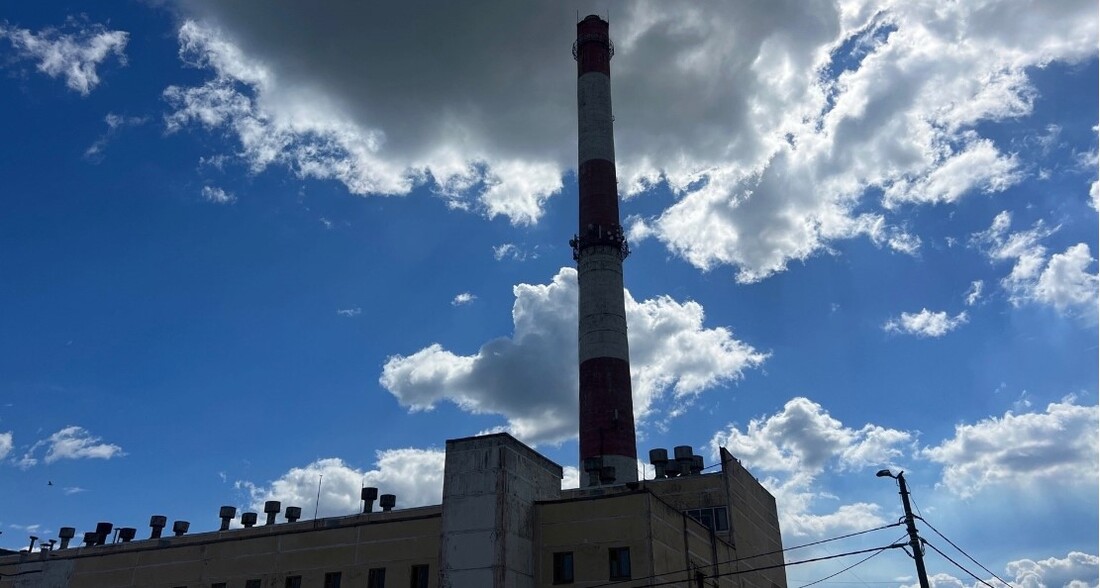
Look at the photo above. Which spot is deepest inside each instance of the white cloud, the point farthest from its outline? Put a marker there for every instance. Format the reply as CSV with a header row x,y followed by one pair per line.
x,y
5,444
217,195
974,293
1076,570
798,444
1094,195
511,251
115,122
349,312
462,299
71,442
70,490
1062,280
1057,447
73,56
671,351
925,323
736,106
415,476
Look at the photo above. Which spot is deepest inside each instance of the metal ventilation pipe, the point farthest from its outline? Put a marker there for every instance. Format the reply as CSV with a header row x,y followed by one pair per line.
x,y
659,459
683,458
89,538
592,467
180,528
33,541
48,546
226,514
127,534
271,509
157,524
696,464
102,530
387,502
369,495
65,534
293,513
248,519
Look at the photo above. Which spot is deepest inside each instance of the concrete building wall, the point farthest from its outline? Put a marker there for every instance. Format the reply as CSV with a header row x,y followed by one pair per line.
x,y
352,546
490,485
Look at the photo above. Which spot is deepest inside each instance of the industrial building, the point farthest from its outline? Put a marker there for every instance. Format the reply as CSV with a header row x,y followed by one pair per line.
x,y
504,519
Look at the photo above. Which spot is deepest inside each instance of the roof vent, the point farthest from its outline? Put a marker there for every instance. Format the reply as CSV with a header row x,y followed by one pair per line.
x,y
369,495
271,509
157,523
48,546
248,519
89,538
592,466
659,458
387,502
33,540
102,530
127,534
65,534
293,513
226,514
180,528
696,464
683,458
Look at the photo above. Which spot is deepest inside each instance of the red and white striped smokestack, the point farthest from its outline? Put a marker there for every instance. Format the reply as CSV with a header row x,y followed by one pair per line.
x,y
606,405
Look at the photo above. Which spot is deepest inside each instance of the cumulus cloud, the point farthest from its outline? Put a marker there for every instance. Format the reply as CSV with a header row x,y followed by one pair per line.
x,y
798,444
925,323
5,444
73,55
70,443
217,195
414,475
1076,570
1065,281
774,123
1056,447
463,299
672,354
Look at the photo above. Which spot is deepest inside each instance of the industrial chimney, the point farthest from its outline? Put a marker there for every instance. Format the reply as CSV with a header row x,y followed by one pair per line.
x,y
599,247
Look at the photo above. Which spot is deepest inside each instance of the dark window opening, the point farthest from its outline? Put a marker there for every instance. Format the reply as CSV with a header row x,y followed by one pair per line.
x,y
253,584
332,580
712,518
618,561
563,567
218,585
418,578
293,582
376,578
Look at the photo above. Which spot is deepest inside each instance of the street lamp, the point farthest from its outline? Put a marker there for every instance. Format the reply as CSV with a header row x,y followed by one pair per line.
x,y
910,526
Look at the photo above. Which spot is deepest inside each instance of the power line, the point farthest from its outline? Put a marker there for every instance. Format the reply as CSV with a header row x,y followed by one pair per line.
x,y
960,550
958,565
852,566
748,571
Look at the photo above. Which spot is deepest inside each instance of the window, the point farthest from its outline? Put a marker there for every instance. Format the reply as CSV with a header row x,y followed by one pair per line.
x,y
563,567
332,580
376,578
253,584
418,578
618,563
293,582
218,585
711,518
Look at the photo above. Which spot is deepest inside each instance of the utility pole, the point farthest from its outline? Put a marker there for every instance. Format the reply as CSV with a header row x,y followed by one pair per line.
x,y
910,526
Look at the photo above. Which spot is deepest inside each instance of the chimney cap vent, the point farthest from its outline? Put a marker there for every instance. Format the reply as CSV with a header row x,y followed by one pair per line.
x,y
387,501
66,532
158,521
369,493
293,513
180,527
227,512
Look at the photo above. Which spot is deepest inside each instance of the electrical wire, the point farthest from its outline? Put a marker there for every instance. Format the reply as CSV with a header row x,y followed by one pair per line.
x,y
738,572
958,565
960,550
830,576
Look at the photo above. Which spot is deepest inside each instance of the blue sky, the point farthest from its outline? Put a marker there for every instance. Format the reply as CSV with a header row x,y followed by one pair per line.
x,y
246,244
